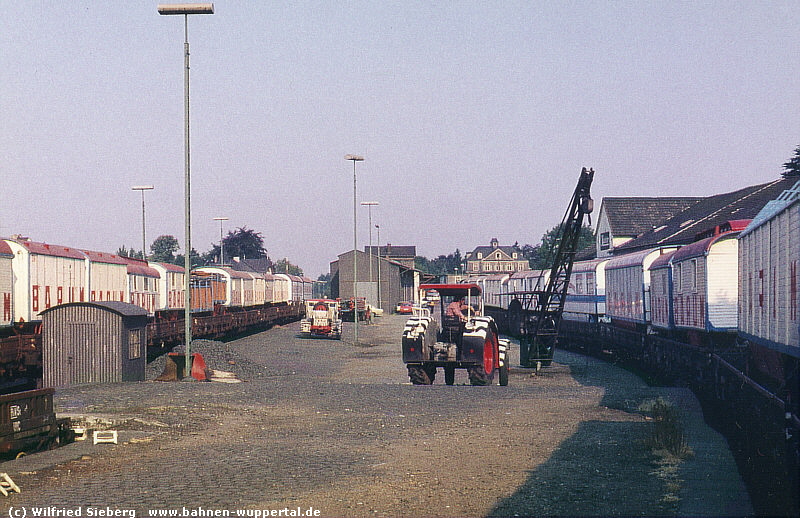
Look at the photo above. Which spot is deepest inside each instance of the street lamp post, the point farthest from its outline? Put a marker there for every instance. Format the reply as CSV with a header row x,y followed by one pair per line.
x,y
354,159
186,10
380,302
369,205
144,240
221,246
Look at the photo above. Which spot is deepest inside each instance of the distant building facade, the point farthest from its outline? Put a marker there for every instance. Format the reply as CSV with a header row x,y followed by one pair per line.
x,y
399,254
495,259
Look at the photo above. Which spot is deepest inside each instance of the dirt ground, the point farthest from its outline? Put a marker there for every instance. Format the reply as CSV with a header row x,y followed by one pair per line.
x,y
337,426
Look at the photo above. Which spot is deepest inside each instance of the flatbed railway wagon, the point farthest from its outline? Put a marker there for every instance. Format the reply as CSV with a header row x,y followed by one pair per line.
x,y
28,422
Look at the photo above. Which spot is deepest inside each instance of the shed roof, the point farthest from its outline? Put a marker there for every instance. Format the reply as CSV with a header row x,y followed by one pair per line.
x,y
630,216
121,308
706,214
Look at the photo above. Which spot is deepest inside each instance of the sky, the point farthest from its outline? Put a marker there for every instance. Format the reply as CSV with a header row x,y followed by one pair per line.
x,y
474,118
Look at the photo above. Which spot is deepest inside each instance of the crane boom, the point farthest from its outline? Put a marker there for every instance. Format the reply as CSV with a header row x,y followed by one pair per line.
x,y
545,307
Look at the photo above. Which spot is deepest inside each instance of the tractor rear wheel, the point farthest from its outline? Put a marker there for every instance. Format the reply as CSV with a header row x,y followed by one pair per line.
x,y
418,375
483,374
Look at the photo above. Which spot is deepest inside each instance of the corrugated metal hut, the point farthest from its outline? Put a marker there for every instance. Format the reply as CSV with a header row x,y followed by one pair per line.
x,y
93,342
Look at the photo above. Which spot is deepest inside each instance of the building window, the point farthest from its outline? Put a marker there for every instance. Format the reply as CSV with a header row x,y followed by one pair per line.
x,y
497,256
134,344
514,255
605,241
693,275
480,255
678,281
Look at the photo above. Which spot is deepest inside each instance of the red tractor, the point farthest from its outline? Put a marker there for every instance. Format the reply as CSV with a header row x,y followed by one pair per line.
x,y
456,337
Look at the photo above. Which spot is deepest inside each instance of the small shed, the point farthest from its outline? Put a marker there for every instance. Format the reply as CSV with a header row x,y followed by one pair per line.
x,y
93,342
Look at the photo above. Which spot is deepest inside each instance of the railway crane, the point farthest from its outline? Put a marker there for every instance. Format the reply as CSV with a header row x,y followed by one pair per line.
x,y
542,309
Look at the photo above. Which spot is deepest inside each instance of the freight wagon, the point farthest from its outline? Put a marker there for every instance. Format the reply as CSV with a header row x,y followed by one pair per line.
x,y
769,253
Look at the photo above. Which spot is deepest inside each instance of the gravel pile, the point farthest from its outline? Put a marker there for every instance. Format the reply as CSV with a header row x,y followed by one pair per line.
x,y
218,356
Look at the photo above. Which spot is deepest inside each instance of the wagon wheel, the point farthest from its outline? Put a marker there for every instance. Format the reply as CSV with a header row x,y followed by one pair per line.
x,y
449,375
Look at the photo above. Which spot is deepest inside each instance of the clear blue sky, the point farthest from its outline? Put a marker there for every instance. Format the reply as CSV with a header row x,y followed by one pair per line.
x,y
475,118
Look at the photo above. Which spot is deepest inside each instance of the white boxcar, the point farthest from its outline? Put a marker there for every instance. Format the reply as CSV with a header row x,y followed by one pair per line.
x,y
235,284
283,288
108,276
308,288
628,286
6,284
171,286
143,285
586,293
704,284
259,288
661,292
269,288
44,276
769,252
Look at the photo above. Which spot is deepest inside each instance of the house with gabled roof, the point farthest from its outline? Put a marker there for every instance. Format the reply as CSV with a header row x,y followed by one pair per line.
x,y
622,219
714,212
495,259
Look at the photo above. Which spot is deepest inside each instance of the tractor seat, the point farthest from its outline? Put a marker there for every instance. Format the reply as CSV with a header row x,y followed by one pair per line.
x,y
452,328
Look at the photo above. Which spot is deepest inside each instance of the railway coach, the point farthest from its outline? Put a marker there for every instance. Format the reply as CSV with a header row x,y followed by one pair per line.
x,y
586,293
769,253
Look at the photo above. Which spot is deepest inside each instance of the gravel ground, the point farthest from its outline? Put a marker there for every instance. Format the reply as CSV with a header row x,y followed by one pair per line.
x,y
336,426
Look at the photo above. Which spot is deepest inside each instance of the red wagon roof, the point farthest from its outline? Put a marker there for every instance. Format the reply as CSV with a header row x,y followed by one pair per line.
x,y
54,250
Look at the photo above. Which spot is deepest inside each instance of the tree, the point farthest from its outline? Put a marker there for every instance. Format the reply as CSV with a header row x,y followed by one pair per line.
x,y
442,265
196,259
244,243
792,167
134,254
322,288
540,257
163,249
284,266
